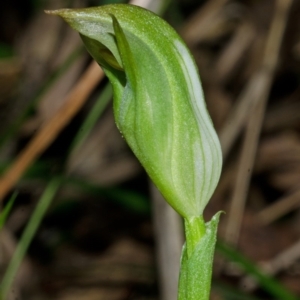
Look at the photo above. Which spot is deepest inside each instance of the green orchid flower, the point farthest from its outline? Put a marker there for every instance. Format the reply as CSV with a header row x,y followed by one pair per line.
x,y
160,110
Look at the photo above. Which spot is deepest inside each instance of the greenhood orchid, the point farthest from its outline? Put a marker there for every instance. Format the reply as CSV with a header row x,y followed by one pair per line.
x,y
160,110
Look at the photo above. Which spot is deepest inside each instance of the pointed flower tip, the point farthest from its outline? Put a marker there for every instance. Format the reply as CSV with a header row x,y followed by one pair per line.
x,y
52,12
57,12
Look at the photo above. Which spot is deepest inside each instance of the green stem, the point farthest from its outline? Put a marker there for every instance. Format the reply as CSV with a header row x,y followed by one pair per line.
x,y
194,231
197,258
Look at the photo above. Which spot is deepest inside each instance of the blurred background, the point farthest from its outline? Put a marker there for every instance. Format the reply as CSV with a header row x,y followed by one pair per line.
x,y
78,209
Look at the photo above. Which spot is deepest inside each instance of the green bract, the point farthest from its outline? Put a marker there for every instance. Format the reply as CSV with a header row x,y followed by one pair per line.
x,y
158,101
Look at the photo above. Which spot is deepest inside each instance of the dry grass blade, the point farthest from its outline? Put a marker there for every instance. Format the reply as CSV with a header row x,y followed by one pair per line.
x,y
196,27
255,123
279,208
234,52
239,115
49,131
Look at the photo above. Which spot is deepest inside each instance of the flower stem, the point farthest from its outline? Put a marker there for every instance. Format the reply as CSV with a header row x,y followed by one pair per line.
x,y
194,231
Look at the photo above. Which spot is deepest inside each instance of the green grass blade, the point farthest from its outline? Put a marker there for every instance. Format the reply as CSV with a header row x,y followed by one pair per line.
x,y
28,235
4,214
128,199
93,116
266,282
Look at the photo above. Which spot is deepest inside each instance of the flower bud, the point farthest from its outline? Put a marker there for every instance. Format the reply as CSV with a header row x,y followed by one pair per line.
x,y
158,100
